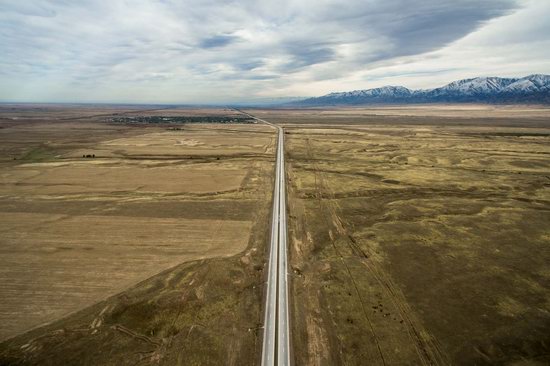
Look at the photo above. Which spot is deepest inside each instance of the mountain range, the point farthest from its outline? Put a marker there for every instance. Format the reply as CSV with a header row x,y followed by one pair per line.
x,y
529,89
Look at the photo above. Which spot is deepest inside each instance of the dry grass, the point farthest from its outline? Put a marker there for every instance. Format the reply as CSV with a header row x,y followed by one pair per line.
x,y
87,178
163,230
56,264
419,243
418,235
420,115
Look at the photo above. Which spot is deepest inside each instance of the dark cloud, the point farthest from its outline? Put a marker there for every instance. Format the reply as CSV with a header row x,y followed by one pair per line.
x,y
303,54
245,76
217,41
402,27
249,65
428,27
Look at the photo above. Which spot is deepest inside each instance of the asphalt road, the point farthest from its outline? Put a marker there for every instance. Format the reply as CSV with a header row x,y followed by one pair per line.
x,y
276,340
269,350
283,342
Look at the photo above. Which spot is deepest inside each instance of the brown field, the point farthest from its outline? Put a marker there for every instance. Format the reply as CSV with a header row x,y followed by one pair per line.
x,y
159,236
419,237
62,112
431,115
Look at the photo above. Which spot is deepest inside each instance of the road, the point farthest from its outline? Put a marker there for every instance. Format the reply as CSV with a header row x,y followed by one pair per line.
x,y
283,341
276,340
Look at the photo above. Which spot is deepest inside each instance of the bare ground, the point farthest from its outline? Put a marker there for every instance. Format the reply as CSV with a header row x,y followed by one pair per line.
x,y
150,252
419,243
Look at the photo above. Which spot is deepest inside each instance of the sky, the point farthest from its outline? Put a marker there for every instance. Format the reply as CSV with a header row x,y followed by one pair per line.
x,y
228,51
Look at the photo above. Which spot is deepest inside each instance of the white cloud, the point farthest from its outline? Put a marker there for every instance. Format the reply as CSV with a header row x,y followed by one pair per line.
x,y
220,50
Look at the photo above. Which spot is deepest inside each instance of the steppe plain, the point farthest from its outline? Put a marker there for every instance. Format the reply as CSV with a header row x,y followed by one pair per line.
x,y
419,235
149,250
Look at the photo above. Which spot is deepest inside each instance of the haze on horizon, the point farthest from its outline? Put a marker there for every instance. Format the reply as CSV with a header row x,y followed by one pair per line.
x,y
216,51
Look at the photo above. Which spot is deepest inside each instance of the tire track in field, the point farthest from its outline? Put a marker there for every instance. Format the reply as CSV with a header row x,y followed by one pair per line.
x,y
319,184
426,347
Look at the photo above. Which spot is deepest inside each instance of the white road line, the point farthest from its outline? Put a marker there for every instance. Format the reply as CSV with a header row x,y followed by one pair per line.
x,y
276,343
283,355
268,351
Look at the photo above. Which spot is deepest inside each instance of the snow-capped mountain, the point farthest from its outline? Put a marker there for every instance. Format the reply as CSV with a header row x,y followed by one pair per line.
x,y
533,83
383,91
385,94
529,89
476,86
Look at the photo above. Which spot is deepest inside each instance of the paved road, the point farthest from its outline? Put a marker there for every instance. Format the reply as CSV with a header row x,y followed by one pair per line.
x,y
283,342
276,346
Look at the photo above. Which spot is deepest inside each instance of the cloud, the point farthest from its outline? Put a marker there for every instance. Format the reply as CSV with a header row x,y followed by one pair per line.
x,y
27,9
217,41
305,54
248,65
235,49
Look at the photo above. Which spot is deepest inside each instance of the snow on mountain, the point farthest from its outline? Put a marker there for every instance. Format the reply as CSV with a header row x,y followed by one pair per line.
x,y
531,83
529,89
476,86
383,91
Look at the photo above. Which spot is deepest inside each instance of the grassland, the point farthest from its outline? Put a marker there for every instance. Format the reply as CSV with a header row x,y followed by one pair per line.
x,y
152,251
419,237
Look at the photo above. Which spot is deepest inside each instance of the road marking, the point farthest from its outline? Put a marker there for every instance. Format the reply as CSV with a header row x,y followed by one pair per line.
x,y
276,343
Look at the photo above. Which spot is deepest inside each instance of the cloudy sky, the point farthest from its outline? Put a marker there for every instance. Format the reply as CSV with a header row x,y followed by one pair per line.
x,y
215,51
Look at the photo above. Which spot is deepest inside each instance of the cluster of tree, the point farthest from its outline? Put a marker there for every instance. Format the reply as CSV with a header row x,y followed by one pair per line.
x,y
183,119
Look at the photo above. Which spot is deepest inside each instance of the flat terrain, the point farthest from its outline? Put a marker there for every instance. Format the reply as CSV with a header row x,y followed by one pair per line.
x,y
120,257
418,238
418,235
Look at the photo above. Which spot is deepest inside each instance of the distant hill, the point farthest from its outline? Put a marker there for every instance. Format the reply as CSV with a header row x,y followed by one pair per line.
x,y
529,89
